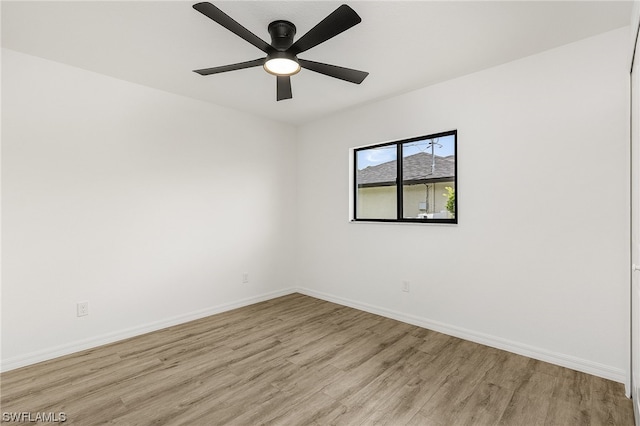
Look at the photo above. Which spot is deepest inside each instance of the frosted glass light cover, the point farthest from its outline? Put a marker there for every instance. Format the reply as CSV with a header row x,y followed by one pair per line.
x,y
281,66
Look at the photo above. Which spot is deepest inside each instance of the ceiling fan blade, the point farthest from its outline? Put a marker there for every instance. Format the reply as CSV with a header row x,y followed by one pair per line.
x,y
346,74
229,23
338,21
283,84
232,67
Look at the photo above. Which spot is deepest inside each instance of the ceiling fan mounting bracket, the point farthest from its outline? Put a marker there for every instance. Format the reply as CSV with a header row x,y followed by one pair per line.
x,y
282,33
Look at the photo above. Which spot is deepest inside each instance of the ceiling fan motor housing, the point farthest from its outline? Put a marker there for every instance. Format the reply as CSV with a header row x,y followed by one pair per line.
x,y
282,33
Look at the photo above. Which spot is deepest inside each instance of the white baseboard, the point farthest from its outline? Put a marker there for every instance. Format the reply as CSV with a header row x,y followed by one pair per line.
x,y
585,366
563,360
80,345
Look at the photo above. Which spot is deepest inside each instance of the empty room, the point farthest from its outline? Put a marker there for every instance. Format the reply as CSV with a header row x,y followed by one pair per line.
x,y
318,213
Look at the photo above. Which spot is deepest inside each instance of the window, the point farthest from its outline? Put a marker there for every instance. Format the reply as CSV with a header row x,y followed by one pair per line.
x,y
412,180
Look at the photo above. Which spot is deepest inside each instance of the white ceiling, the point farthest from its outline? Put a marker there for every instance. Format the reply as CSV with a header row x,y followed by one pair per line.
x,y
403,45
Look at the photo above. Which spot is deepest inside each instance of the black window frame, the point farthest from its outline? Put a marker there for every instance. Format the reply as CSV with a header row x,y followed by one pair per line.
x,y
399,181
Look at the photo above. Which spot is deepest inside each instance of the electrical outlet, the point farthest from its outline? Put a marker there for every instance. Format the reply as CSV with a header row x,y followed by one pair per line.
x,y
245,278
82,309
405,286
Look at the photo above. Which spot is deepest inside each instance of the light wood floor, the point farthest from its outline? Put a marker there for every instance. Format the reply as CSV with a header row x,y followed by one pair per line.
x,y
297,360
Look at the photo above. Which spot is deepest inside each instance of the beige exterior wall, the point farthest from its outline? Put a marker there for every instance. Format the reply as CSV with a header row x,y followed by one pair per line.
x,y
380,202
436,194
377,203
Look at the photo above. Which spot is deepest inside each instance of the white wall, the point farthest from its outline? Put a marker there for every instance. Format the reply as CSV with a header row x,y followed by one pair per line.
x,y
538,263
149,205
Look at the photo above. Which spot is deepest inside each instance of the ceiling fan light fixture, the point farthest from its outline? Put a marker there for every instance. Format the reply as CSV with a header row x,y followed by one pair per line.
x,y
282,64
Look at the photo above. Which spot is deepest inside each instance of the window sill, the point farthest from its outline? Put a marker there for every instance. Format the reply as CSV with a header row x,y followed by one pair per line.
x,y
401,222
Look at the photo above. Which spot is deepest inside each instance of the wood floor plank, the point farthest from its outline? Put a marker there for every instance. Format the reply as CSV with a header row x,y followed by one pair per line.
x,y
420,420
378,391
531,400
54,398
485,406
405,404
341,415
316,406
297,360
571,399
454,392
438,343
607,408
508,371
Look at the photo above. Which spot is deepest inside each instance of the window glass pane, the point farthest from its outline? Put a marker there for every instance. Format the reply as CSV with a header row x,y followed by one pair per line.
x,y
376,174
420,186
428,178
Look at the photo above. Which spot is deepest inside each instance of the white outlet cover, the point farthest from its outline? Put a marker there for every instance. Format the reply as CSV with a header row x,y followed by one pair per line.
x,y
82,309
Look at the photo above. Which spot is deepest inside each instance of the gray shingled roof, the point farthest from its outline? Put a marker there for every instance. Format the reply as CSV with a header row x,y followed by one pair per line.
x,y
416,169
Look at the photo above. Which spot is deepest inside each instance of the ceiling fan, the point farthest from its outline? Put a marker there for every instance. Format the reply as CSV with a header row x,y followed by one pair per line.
x,y
282,54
